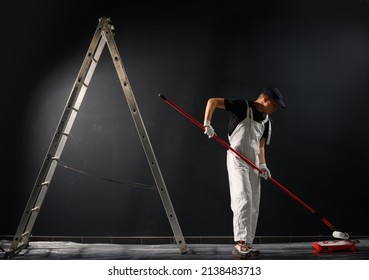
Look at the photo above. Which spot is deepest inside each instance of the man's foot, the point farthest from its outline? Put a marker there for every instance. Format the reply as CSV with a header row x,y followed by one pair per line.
x,y
244,250
254,252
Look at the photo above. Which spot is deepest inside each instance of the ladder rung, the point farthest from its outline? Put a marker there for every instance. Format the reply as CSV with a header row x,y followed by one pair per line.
x,y
21,245
35,209
24,234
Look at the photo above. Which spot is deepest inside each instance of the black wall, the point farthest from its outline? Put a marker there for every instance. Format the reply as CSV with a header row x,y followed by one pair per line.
x,y
316,53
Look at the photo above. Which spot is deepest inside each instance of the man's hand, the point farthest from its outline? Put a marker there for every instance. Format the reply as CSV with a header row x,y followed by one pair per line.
x,y
266,173
209,130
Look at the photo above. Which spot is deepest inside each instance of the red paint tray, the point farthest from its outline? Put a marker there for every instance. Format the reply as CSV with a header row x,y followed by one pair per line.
x,y
332,246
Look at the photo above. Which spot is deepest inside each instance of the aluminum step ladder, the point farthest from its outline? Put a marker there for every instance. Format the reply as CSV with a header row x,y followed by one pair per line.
x,y
104,34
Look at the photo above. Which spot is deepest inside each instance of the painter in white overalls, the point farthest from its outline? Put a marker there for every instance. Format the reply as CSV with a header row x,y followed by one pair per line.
x,y
244,180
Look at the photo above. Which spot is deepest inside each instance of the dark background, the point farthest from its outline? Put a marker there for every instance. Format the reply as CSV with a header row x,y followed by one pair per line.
x,y
315,52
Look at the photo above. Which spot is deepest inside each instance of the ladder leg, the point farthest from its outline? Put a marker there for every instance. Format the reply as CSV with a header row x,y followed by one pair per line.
x,y
58,142
144,137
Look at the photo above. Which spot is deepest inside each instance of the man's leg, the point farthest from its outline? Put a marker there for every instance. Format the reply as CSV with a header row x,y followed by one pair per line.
x,y
241,198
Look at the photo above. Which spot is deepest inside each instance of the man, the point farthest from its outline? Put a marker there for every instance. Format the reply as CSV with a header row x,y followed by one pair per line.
x,y
249,131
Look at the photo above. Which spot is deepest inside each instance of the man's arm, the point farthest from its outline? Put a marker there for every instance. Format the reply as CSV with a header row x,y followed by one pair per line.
x,y
211,105
262,151
262,162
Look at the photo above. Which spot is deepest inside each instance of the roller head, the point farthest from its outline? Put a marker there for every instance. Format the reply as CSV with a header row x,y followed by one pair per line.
x,y
340,235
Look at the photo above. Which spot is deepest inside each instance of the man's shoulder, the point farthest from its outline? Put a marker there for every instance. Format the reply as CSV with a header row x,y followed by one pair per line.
x,y
236,101
235,105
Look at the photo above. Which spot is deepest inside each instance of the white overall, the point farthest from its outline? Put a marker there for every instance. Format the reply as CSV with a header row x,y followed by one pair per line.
x,y
244,180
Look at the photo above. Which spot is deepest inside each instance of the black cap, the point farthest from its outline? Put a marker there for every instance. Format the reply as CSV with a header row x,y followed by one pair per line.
x,y
275,94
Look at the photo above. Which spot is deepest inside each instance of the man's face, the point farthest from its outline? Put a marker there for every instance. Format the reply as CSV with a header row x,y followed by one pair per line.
x,y
270,105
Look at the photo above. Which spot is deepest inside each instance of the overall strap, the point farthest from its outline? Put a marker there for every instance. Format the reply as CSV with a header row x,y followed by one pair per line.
x,y
249,114
270,128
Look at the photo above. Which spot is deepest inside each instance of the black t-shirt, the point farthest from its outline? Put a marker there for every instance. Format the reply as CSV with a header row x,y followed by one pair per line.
x,y
238,109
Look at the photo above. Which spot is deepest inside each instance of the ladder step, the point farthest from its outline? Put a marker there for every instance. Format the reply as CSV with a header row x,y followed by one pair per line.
x,y
24,234
35,209
21,245
65,133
